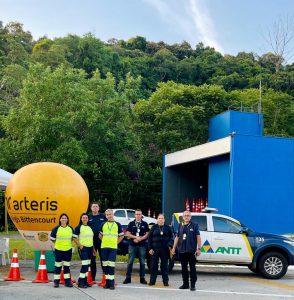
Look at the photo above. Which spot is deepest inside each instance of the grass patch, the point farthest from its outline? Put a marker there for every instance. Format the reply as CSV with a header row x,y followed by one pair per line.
x,y
24,250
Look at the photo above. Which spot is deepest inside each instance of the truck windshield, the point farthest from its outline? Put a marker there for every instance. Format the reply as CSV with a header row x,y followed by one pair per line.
x,y
200,220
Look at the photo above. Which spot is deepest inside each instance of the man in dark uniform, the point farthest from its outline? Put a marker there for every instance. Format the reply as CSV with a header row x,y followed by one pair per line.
x,y
96,220
188,241
137,232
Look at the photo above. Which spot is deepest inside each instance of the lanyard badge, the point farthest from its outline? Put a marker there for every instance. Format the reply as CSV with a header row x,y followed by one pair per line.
x,y
138,228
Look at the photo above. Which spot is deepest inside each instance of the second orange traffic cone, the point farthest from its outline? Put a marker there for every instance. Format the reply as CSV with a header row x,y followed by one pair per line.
x,y
42,275
62,281
14,272
90,278
103,281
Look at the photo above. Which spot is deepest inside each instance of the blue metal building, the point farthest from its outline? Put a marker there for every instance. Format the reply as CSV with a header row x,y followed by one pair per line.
x,y
244,174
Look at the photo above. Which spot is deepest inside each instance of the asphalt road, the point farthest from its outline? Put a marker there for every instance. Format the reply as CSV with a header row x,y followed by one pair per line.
x,y
221,282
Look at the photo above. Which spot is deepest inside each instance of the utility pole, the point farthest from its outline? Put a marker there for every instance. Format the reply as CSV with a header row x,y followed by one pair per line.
x,y
259,103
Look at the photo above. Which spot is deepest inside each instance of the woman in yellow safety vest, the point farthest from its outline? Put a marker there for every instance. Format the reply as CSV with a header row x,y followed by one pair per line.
x,y
111,235
62,236
83,236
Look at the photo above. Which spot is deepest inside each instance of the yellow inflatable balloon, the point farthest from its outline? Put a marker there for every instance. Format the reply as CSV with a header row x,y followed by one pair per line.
x,y
38,194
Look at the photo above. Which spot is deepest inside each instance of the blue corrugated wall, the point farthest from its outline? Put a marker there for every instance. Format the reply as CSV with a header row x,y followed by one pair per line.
x,y
263,182
219,184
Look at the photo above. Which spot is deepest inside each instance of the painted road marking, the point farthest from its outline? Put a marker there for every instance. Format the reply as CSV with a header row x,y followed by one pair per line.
x,y
212,292
167,289
269,283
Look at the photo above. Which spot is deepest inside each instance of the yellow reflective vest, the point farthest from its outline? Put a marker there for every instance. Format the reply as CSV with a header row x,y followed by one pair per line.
x,y
110,232
86,236
63,238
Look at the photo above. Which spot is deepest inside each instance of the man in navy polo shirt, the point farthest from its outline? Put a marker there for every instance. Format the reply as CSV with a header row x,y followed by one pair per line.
x,y
188,241
137,232
96,220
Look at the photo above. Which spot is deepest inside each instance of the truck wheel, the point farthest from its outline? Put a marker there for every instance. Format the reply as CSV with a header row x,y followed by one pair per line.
x,y
273,265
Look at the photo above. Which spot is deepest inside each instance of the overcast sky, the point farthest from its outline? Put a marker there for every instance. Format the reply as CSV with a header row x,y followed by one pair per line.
x,y
230,26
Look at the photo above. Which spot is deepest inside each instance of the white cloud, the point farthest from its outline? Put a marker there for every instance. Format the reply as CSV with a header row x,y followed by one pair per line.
x,y
203,24
189,18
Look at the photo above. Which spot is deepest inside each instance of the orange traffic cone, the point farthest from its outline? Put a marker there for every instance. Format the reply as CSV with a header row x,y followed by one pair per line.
x,y
14,272
90,278
42,276
61,281
103,281
187,204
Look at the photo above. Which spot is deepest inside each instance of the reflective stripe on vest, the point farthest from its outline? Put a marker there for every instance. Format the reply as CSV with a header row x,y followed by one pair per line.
x,y
63,238
110,235
86,236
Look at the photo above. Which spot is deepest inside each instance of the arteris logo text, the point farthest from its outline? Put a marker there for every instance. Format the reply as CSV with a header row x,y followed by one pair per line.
x,y
31,205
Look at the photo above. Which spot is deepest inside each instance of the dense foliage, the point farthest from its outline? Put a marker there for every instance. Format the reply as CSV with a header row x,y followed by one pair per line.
x,y
110,110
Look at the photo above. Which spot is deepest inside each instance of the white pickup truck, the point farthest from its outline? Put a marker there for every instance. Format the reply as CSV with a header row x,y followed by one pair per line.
x,y
226,241
125,216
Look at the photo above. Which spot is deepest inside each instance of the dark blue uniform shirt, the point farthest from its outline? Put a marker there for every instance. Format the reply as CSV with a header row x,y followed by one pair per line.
x,y
95,223
140,229
188,237
160,237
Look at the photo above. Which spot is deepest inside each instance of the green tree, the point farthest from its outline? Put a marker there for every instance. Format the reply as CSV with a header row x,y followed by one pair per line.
x,y
24,38
164,64
51,119
84,123
277,108
10,86
137,42
51,55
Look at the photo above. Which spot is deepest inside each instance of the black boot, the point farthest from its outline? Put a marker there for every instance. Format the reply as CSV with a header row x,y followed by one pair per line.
x,y
56,283
127,280
192,286
107,286
68,283
143,280
82,283
87,283
184,286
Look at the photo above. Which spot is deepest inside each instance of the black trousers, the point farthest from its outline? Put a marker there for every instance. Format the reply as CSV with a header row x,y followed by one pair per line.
x,y
188,258
163,254
62,258
85,254
97,247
